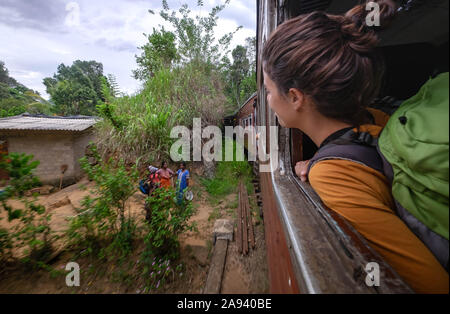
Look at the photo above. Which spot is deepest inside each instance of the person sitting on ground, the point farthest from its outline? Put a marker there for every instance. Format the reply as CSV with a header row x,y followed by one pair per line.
x,y
165,175
153,183
321,71
154,180
150,182
182,181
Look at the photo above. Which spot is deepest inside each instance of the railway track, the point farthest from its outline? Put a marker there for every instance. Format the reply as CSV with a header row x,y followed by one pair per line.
x,y
245,230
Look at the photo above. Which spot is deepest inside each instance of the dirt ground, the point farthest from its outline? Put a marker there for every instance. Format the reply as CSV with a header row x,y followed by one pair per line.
x,y
242,274
246,274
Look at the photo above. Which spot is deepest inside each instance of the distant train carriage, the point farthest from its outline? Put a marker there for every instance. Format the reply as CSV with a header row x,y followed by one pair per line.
x,y
245,116
247,112
310,248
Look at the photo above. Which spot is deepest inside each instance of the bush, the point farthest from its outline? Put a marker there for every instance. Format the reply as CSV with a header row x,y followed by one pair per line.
x,y
33,233
102,225
168,220
139,126
19,167
228,174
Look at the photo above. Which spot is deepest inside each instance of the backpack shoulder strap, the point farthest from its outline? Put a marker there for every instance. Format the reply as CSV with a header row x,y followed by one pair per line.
x,y
359,147
362,148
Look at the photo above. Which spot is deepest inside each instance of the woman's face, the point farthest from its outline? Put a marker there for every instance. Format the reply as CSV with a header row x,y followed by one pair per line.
x,y
279,103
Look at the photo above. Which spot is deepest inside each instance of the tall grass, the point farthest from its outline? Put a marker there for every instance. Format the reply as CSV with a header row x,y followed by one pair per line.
x,y
228,174
170,98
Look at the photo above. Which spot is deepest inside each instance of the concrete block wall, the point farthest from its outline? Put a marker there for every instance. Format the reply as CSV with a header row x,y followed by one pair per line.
x,y
53,151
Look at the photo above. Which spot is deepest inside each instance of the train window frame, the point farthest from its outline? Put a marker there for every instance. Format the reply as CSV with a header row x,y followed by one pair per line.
x,y
305,219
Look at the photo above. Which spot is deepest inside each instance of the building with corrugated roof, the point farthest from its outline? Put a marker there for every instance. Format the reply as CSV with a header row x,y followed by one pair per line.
x,y
57,142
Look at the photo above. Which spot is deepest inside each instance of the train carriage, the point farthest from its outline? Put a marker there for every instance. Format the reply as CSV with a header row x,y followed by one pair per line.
x,y
310,248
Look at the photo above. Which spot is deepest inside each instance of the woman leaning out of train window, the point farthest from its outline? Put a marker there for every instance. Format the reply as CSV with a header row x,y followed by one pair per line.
x,y
320,72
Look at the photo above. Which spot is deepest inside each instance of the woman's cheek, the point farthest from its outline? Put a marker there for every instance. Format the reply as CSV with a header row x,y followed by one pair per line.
x,y
280,121
271,102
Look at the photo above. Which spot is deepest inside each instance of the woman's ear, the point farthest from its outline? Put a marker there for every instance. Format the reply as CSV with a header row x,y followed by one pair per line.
x,y
296,98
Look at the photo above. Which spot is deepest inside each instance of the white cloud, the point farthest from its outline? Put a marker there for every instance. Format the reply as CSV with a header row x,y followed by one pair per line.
x,y
35,41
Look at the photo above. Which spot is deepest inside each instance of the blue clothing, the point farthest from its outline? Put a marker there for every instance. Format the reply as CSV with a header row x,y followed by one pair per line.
x,y
143,187
182,183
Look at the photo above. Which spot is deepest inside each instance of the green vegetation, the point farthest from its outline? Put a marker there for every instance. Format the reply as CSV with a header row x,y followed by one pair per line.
x,y
103,229
139,126
16,98
168,220
227,176
183,78
158,53
20,169
76,89
195,38
32,234
185,74
241,74
103,226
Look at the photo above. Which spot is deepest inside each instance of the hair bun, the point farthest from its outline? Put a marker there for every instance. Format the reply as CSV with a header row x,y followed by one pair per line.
x,y
359,40
359,14
362,37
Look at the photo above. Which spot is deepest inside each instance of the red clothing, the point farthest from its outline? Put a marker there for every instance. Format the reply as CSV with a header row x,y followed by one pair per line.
x,y
154,178
165,182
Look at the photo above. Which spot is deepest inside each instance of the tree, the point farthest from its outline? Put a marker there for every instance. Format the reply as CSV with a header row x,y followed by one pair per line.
x,y
250,44
195,37
4,75
76,89
106,108
114,88
159,52
240,75
248,86
11,107
16,98
239,70
248,83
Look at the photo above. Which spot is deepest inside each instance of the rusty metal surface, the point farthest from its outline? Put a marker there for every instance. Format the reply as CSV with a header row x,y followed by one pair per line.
x,y
281,272
239,225
244,221
251,231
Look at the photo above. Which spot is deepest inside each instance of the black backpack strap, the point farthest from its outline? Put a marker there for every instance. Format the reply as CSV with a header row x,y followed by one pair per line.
x,y
362,148
359,147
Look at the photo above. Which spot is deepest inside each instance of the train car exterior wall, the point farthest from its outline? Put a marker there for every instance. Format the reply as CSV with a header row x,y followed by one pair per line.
x,y
247,113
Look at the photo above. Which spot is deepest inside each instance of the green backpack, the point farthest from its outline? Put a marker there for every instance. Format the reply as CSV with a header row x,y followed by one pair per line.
x,y
412,152
415,143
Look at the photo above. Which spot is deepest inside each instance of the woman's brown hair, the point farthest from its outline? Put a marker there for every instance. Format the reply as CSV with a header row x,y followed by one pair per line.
x,y
330,58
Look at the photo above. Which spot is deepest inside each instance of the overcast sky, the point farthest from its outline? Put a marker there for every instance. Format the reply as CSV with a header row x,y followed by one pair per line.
x,y
37,35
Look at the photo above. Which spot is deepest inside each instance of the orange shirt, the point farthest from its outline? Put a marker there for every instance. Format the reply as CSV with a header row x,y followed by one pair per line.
x,y
165,183
363,197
